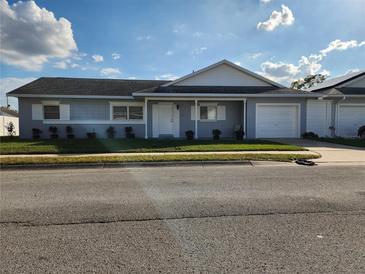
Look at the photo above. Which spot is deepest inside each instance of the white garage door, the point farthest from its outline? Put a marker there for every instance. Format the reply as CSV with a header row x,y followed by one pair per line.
x,y
277,121
350,118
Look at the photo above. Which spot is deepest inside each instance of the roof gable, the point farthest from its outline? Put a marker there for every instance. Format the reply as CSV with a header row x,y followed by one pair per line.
x,y
341,81
359,82
223,73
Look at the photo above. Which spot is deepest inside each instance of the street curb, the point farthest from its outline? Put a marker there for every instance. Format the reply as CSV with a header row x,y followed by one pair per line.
x,y
125,164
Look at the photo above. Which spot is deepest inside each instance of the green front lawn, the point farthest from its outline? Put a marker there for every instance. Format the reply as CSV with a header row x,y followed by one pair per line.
x,y
16,146
344,141
150,158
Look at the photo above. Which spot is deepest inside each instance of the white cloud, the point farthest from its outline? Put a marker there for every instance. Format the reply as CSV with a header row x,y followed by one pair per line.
x,y
167,76
341,45
265,1
256,55
98,58
284,17
179,28
198,51
169,53
287,72
8,84
110,72
60,65
115,56
30,35
143,37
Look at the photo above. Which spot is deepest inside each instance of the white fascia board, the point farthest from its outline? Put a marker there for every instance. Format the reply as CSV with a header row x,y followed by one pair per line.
x,y
224,61
71,96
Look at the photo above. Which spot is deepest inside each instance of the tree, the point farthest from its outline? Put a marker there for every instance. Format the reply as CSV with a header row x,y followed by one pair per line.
x,y
308,81
11,129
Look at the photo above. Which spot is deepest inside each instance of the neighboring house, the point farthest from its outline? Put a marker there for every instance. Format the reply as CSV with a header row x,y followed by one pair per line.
x,y
8,115
341,106
221,96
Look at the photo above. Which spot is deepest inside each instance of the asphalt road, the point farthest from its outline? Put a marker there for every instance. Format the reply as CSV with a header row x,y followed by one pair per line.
x,y
213,219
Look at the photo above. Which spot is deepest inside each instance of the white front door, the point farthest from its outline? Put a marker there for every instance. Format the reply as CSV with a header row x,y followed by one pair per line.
x,y
319,117
165,120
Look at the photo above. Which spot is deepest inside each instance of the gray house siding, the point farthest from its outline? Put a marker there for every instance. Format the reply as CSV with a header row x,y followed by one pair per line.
x,y
234,116
80,109
251,112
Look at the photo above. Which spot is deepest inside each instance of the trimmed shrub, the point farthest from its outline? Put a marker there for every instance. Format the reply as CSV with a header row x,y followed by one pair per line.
x,y
310,135
129,134
361,132
91,135
110,132
216,134
69,132
239,134
36,133
53,131
189,134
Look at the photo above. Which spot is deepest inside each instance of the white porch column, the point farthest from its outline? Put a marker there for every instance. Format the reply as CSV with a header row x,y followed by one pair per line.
x,y
245,117
145,119
196,119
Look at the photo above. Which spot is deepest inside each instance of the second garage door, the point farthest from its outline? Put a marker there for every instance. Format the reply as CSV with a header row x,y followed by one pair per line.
x,y
277,121
350,118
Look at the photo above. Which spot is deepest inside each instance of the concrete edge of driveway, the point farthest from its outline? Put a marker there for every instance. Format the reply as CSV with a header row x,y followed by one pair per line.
x,y
127,164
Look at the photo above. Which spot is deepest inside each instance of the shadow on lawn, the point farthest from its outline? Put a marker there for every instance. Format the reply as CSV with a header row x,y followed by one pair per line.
x,y
127,145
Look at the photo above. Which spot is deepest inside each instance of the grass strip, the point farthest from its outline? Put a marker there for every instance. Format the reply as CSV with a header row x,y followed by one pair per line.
x,y
151,158
64,146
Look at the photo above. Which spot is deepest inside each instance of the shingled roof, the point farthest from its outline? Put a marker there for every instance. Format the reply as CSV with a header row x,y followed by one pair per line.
x,y
9,111
222,90
85,86
334,82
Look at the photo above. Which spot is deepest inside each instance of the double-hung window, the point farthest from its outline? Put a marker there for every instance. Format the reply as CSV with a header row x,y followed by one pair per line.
x,y
120,112
135,113
208,113
51,112
126,112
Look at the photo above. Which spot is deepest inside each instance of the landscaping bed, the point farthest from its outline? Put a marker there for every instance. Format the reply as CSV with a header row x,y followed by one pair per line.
x,y
41,160
60,146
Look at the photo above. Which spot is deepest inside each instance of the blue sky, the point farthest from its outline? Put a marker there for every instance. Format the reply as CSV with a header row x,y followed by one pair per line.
x,y
163,39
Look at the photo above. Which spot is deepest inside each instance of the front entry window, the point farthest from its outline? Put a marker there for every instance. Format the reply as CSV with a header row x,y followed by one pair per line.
x,y
208,113
51,112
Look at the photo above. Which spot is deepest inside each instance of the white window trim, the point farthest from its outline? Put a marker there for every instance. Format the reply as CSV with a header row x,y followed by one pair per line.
x,y
126,104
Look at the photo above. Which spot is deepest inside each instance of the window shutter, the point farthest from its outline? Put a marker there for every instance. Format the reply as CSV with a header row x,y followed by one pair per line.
x,y
64,112
221,113
37,112
193,112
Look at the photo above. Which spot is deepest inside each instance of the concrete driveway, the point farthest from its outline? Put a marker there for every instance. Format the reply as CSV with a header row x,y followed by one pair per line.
x,y
331,153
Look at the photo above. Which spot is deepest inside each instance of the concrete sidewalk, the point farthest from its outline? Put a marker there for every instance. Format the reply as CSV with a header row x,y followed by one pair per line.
x,y
331,153
160,153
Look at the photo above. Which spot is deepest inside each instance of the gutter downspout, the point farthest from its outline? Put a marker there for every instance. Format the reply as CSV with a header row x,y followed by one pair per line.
x,y
196,119
336,114
245,117
146,118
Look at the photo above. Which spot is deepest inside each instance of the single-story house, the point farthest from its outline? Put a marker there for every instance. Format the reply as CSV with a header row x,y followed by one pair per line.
x,y
221,96
7,116
340,110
